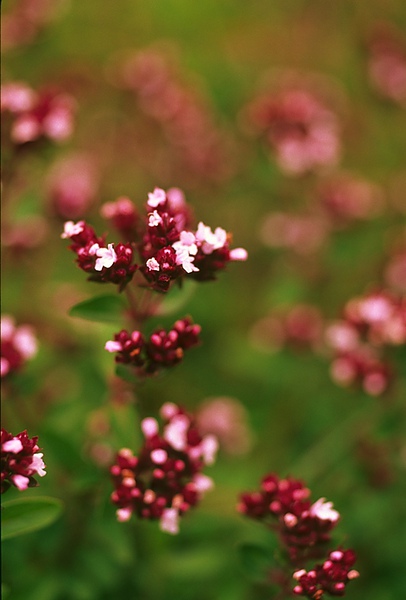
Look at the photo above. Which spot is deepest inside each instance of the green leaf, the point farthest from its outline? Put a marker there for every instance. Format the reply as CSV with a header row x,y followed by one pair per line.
x,y
103,309
255,560
28,514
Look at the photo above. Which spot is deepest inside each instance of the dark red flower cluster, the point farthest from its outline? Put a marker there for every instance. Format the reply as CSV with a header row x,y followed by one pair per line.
x,y
283,504
370,324
20,461
331,577
168,249
165,480
162,349
299,125
34,115
105,264
18,344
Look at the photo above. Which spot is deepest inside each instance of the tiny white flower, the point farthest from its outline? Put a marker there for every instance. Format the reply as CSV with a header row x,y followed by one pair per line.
x,y
324,511
156,198
153,264
154,219
106,257
71,229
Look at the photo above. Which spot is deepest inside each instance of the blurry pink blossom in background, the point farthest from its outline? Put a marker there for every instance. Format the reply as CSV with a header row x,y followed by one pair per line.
x,y
304,234
18,344
387,63
298,123
72,185
227,419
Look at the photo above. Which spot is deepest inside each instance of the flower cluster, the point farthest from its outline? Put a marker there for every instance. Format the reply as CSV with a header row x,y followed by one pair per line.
x,y
72,184
105,264
34,115
299,125
171,252
195,143
162,349
168,249
18,344
165,480
370,324
20,461
330,577
303,527
387,64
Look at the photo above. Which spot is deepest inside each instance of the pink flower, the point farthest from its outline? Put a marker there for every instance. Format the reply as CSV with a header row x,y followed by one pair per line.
x,y
18,344
165,480
20,461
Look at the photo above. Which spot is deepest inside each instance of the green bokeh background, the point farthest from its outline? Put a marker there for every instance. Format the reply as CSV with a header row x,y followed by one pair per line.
x,y
302,423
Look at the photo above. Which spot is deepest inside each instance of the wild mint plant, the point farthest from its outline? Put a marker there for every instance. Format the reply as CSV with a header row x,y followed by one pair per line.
x,y
303,529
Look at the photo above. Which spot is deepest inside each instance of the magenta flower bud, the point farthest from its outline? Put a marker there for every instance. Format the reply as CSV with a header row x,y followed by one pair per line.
x,y
20,461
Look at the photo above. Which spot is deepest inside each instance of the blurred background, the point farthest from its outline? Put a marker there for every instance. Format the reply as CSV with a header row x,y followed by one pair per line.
x,y
284,123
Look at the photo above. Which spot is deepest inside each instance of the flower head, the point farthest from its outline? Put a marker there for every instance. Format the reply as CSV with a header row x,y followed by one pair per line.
x,y
164,481
20,461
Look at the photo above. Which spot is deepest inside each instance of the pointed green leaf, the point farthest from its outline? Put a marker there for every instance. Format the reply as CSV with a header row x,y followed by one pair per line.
x,y
103,309
28,514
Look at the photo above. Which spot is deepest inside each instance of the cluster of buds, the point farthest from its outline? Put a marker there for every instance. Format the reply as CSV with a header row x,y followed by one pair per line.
x,y
20,461
283,504
162,349
105,264
299,126
346,198
195,142
168,249
370,324
165,480
330,577
35,115
387,64
304,528
18,344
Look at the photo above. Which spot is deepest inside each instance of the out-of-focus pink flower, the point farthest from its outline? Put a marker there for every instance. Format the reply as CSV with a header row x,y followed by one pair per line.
x,y
195,143
299,124
395,271
227,419
299,327
304,234
72,185
371,323
25,20
331,577
18,344
387,64
47,113
346,198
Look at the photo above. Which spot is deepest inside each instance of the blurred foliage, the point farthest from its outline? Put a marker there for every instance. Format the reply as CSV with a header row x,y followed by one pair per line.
x,y
302,423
